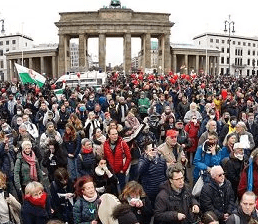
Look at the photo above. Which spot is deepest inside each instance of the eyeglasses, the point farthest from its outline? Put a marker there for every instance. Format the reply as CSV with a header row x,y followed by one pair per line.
x,y
194,118
222,174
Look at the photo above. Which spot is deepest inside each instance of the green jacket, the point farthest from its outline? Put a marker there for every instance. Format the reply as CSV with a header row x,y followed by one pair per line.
x,y
143,105
22,172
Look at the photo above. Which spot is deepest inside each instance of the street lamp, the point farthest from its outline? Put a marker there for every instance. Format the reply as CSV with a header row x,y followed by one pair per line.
x,y
229,23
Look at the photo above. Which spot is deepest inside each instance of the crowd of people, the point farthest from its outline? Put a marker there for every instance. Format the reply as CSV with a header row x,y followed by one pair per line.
x,y
147,139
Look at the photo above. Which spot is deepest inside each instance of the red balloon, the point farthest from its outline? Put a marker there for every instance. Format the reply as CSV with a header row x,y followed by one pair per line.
x,y
194,76
175,77
170,73
78,74
203,85
173,81
183,76
187,77
161,77
140,77
3,90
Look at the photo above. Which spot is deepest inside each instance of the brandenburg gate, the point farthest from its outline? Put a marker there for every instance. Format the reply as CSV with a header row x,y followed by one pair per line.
x,y
113,22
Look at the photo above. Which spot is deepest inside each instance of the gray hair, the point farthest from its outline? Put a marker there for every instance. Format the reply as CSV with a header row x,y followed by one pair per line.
x,y
84,140
242,124
22,127
26,143
214,170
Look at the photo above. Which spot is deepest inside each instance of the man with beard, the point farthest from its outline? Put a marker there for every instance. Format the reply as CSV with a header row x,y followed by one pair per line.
x,y
50,134
172,151
122,109
112,109
192,112
40,116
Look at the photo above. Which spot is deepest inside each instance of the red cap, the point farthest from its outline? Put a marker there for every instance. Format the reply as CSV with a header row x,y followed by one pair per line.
x,y
172,133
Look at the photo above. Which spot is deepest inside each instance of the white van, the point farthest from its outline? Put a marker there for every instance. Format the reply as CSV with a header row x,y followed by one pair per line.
x,y
94,79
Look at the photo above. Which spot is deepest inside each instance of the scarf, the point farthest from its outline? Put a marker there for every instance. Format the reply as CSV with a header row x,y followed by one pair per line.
x,y
86,151
91,199
41,202
31,160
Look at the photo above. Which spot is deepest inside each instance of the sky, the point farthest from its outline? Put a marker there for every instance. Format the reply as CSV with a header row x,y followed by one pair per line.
x,y
36,19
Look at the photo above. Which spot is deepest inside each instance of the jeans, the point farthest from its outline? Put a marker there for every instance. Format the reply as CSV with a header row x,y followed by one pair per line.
x,y
121,179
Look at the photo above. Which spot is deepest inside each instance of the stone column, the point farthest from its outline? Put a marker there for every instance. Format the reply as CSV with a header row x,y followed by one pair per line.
x,y
83,46
62,57
11,70
208,65
167,54
174,63
186,64
8,70
213,65
197,64
127,53
102,52
19,61
42,66
160,54
53,66
147,51
31,64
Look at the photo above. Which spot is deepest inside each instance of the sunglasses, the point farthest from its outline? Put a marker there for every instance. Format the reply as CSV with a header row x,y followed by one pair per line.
x,y
222,174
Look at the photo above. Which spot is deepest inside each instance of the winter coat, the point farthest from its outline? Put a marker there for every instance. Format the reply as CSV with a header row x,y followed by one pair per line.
x,y
203,160
22,172
161,107
218,199
242,187
115,158
7,161
32,214
233,169
192,131
182,110
169,153
244,218
85,212
39,120
85,164
183,138
169,203
62,207
143,137
59,159
253,129
73,146
64,116
152,172
144,213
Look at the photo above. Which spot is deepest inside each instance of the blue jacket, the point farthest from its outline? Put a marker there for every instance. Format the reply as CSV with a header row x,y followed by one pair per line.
x,y
203,160
151,174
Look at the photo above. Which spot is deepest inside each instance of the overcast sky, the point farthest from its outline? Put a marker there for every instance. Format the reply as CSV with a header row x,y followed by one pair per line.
x,y
191,18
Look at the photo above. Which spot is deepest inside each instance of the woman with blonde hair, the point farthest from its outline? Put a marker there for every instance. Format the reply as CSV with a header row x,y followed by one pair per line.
x,y
134,195
76,122
26,168
10,207
36,207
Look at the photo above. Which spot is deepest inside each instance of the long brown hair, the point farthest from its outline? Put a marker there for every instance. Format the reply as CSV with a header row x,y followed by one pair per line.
x,y
132,187
72,136
76,123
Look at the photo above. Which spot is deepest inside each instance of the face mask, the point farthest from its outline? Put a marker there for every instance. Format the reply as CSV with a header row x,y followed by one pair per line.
x,y
91,98
239,156
226,119
19,112
129,199
167,112
233,123
82,108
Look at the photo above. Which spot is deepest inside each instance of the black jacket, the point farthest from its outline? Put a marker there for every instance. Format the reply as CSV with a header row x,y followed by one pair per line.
x,y
244,219
169,203
218,199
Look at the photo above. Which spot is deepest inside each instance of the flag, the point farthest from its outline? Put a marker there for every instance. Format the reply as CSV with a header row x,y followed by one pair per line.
x,y
30,76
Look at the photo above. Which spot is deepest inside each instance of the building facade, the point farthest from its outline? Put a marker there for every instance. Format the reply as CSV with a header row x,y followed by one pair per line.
x,y
238,54
10,43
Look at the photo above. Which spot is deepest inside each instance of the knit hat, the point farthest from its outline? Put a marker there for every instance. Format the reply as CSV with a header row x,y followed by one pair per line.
x,y
172,133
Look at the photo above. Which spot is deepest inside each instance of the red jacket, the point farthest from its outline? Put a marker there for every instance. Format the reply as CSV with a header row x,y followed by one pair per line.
x,y
242,187
192,131
116,159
